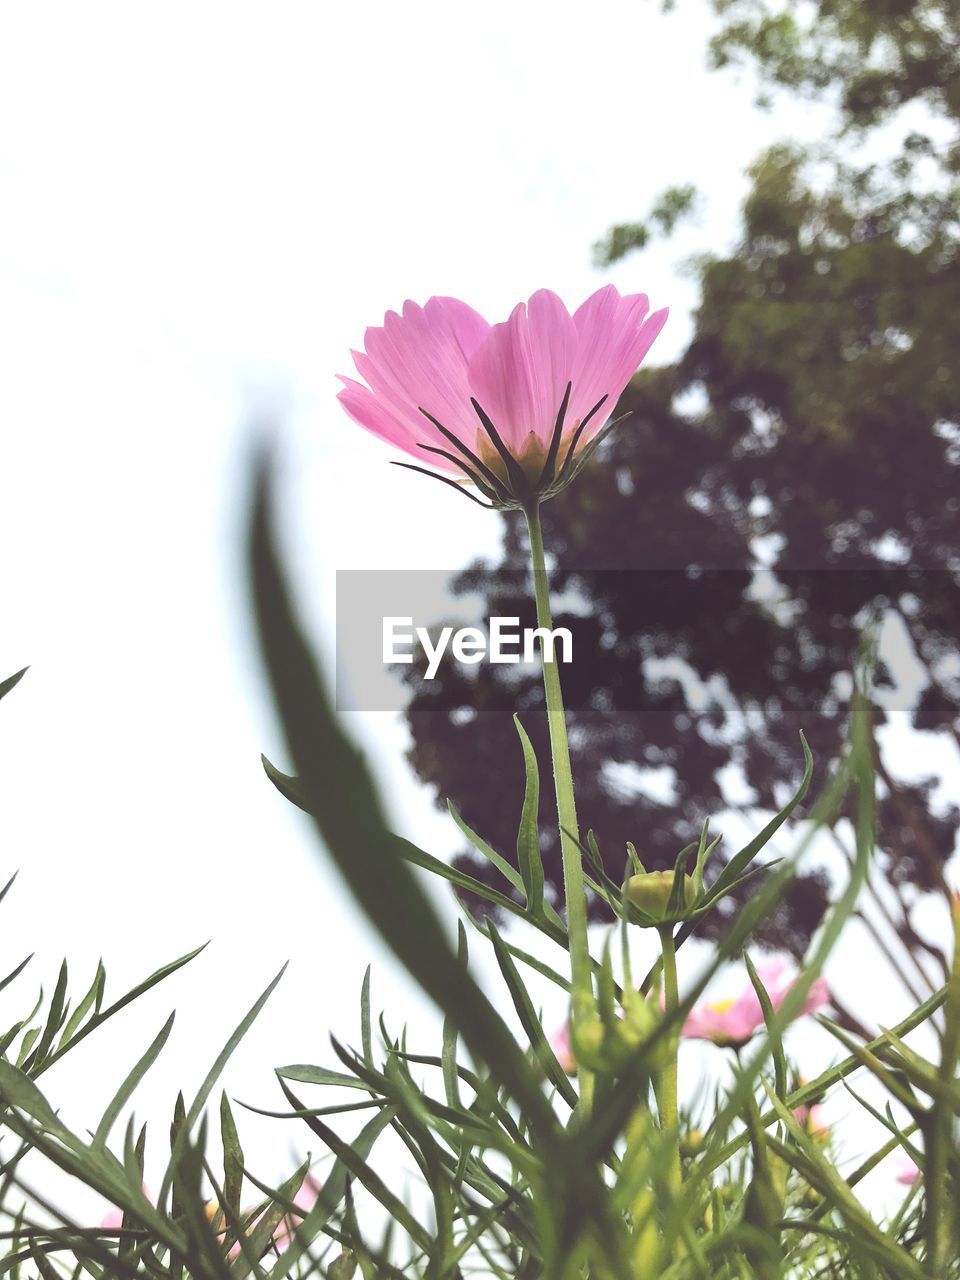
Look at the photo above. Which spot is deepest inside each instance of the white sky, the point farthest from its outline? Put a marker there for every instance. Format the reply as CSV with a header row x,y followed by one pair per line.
x,y
203,207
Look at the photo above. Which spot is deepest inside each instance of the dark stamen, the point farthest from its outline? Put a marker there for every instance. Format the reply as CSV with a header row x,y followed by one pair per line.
x,y
409,466
518,477
568,457
546,475
493,480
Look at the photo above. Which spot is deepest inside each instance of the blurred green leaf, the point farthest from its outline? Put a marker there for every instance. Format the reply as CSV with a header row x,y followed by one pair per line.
x,y
12,681
349,819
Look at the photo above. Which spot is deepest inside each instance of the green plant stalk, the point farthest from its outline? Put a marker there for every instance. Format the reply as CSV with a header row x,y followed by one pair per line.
x,y
939,1125
666,1084
645,1246
573,885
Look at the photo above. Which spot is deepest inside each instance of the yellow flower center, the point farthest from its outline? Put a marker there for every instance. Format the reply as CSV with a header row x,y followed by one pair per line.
x,y
721,1006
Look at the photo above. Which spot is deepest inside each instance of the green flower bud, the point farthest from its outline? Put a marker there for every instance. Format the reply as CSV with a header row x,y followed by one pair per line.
x,y
651,892
587,1039
691,1143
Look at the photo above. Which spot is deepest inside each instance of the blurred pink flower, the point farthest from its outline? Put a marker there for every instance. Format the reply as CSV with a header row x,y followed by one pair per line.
x,y
908,1173
811,1120
505,406
304,1200
733,1022
560,1044
114,1219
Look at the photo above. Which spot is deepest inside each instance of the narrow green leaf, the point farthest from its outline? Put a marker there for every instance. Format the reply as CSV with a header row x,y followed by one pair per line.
x,y
333,1190
448,1052
18,1090
509,873
303,1073
205,1254
333,1109
634,858
15,972
540,966
30,1037
101,1017
764,1202
196,1107
529,1020
741,860
267,1223
704,851
528,837
366,1037
6,888
45,1269
134,1155
232,1158
12,681
593,848
225,1054
125,1092
55,1019
776,1037
358,1168
84,1007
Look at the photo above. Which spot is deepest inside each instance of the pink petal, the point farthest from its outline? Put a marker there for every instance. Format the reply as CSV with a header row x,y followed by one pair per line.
x,y
114,1219
614,334
560,1044
817,996
305,1199
419,360
721,1026
774,976
697,1025
364,407
811,1119
521,369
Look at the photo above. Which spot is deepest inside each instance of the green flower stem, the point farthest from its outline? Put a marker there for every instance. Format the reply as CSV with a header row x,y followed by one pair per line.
x,y
573,887
667,1082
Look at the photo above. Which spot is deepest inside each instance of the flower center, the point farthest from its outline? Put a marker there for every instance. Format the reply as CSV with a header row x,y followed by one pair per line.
x,y
721,1006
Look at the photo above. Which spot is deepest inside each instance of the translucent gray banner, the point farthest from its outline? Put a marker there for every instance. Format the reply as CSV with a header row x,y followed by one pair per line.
x,y
467,641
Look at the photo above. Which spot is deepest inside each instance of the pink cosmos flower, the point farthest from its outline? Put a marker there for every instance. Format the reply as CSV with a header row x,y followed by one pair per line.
x,y
733,1022
304,1200
513,408
908,1173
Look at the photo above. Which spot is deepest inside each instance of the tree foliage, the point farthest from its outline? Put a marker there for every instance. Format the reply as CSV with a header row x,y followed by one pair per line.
x,y
813,425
